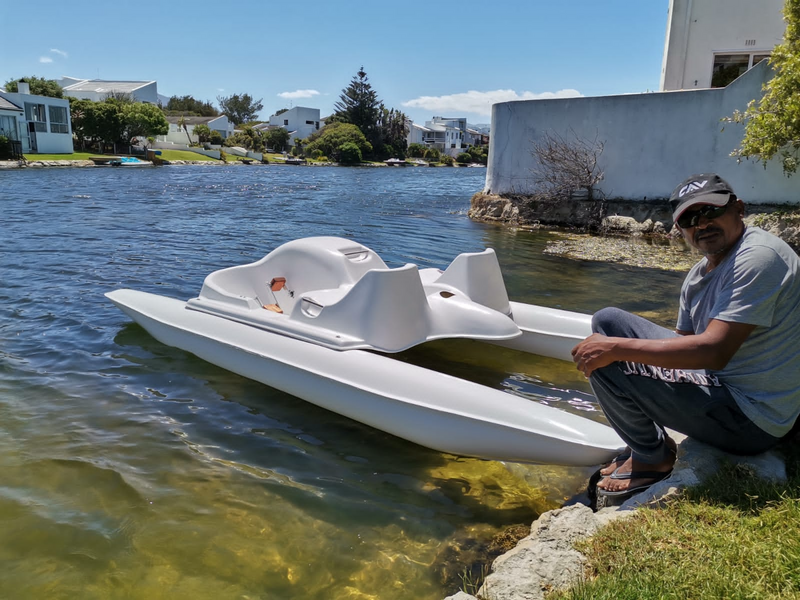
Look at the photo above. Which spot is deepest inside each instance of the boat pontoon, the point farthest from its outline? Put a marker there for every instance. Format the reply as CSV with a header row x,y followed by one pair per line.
x,y
319,318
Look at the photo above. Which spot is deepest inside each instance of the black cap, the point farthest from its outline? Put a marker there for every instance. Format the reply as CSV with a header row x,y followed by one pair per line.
x,y
704,188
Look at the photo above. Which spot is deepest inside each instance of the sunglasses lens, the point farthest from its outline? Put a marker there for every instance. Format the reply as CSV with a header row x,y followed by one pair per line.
x,y
691,219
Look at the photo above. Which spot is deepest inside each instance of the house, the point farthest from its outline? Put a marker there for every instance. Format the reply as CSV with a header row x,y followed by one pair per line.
x,y
41,123
474,137
99,89
448,135
416,133
299,121
710,43
178,135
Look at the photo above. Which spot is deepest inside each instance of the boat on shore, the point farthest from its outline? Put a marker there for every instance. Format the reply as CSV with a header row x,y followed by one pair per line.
x,y
320,317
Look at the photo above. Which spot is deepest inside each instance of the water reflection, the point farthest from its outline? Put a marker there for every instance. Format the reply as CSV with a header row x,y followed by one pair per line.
x,y
135,470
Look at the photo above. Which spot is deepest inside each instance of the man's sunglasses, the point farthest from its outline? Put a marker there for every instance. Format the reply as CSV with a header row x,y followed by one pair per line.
x,y
709,211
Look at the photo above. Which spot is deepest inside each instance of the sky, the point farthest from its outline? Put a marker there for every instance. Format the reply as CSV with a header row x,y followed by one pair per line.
x,y
426,58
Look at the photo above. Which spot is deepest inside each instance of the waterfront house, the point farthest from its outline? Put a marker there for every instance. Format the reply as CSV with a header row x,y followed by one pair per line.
x,y
98,90
299,121
448,135
178,135
42,123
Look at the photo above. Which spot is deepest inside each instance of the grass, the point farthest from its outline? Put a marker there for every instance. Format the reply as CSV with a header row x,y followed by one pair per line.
x,y
736,536
73,156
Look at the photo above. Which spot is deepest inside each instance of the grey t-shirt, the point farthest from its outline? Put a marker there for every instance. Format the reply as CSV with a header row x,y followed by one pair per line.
x,y
757,283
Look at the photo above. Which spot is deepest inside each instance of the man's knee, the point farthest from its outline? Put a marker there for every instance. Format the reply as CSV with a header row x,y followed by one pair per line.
x,y
607,321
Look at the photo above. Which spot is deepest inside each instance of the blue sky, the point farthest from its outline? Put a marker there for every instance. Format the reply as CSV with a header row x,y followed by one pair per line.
x,y
425,58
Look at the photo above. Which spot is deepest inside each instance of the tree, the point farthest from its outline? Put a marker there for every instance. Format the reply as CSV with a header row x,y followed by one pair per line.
x,y
280,112
564,166
240,108
39,86
182,125
143,120
349,154
79,115
394,133
360,106
773,123
464,158
105,122
203,133
330,139
276,138
190,107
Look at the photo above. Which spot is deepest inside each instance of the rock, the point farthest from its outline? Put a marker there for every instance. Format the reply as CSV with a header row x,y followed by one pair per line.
x,y
461,596
545,560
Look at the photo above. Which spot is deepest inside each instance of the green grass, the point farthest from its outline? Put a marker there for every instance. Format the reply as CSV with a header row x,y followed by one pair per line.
x,y
736,536
185,155
73,156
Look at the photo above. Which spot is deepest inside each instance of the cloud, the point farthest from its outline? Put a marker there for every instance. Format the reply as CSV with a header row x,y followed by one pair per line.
x,y
45,59
59,52
299,94
480,103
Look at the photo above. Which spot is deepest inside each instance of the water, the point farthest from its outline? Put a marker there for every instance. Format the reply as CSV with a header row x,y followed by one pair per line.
x,y
134,470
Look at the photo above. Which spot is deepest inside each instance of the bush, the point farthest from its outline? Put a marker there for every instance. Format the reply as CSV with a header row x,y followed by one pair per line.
x,y
349,154
432,154
416,150
316,154
5,148
447,160
215,138
464,158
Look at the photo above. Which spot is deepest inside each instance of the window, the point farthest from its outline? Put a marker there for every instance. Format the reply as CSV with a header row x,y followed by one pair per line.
x,y
8,127
309,122
316,124
286,121
34,113
728,67
58,120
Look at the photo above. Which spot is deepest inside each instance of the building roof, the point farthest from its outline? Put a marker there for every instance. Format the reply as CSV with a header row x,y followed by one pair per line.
x,y
104,87
8,105
193,120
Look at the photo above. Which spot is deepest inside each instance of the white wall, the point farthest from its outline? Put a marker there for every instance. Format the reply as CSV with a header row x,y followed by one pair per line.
x,y
652,141
697,29
297,118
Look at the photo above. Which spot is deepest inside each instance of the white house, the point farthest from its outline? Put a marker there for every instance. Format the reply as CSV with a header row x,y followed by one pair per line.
x,y
710,43
299,121
447,135
178,135
43,124
416,133
98,89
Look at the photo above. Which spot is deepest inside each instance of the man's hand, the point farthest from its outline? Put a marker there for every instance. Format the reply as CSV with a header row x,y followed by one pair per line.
x,y
594,352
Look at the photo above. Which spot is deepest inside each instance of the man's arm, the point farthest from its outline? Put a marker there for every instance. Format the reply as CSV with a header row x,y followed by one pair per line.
x,y
711,349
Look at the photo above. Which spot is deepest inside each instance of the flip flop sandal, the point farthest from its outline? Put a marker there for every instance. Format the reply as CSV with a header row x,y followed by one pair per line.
x,y
656,476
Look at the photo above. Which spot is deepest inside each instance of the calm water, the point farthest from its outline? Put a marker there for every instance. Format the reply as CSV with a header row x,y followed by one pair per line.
x,y
132,470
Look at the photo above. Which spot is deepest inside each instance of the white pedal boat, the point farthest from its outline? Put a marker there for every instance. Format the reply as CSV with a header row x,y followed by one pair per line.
x,y
315,317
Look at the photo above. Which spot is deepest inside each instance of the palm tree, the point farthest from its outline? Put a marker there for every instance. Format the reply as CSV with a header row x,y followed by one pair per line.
x,y
182,125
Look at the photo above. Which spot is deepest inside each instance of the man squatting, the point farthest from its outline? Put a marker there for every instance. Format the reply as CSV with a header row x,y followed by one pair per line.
x,y
729,375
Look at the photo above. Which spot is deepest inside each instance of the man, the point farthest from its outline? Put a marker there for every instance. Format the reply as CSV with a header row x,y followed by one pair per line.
x,y
729,375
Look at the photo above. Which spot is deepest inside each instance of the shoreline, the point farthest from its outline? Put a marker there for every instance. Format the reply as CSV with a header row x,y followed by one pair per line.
x,y
39,164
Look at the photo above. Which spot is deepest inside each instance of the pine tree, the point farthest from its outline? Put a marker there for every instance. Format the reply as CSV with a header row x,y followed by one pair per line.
x,y
359,105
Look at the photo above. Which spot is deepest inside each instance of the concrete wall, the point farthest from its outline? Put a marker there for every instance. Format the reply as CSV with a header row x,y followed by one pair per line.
x,y
697,29
652,141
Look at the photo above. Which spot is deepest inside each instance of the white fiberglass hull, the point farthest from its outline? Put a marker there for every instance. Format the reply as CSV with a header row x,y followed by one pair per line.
x,y
429,408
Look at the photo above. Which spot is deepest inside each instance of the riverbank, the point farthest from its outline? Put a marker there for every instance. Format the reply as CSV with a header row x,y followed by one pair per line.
x,y
38,164
652,219
635,550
